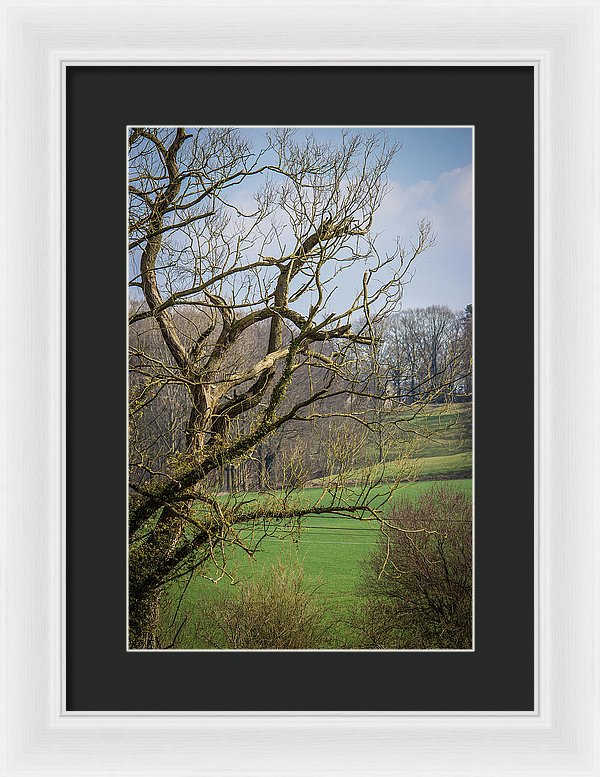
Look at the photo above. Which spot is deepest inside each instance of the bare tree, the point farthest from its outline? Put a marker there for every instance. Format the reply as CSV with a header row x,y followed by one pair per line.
x,y
235,255
428,354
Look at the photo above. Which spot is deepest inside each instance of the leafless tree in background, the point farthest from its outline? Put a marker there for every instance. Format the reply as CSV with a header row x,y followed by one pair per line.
x,y
427,352
237,340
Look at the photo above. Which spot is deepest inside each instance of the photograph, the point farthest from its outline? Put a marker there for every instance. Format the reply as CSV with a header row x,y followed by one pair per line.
x,y
301,320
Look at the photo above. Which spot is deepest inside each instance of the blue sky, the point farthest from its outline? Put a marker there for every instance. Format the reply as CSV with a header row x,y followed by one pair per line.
x,y
431,176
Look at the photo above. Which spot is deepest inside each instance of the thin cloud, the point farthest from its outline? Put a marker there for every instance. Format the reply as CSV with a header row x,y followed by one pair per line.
x,y
446,202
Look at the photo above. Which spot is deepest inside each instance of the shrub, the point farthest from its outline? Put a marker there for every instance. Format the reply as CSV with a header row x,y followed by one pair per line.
x,y
275,610
417,585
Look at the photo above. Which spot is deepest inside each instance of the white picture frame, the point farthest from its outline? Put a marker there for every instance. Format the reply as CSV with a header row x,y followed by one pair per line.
x,y
560,40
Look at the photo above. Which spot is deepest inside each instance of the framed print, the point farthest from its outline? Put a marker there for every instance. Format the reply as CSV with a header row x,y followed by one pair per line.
x,y
84,691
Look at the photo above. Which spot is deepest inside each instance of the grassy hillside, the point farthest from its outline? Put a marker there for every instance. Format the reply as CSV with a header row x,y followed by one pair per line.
x,y
441,429
448,466
440,440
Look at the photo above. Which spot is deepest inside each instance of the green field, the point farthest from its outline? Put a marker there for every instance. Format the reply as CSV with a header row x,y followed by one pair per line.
x,y
330,549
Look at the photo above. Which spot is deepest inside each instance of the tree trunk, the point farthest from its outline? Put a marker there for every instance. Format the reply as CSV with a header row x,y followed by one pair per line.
x,y
144,612
147,573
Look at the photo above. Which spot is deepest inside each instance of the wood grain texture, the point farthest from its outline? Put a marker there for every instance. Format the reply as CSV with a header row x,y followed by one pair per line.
x,y
561,39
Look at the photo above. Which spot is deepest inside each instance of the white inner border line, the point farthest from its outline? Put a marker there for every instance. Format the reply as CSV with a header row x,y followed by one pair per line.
x,y
315,650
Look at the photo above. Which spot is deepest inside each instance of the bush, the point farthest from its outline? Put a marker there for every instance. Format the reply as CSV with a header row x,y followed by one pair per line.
x,y
418,583
275,610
